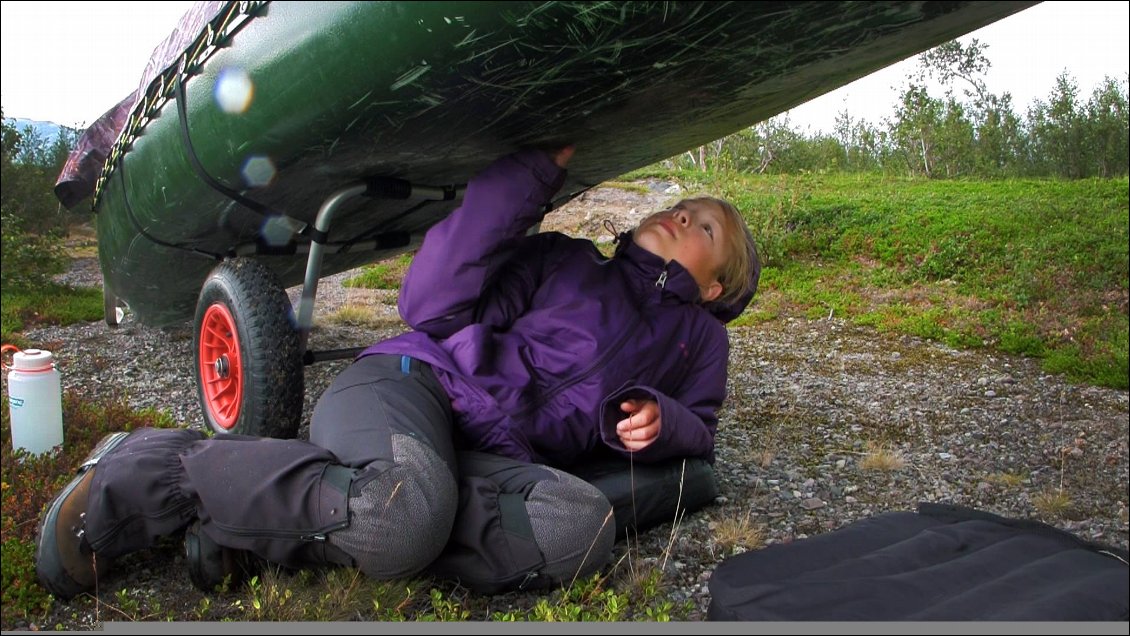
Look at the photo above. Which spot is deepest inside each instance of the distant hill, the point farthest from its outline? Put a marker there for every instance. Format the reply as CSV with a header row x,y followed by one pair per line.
x,y
47,131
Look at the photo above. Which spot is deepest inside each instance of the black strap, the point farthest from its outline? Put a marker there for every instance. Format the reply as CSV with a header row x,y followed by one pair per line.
x,y
515,518
142,231
182,113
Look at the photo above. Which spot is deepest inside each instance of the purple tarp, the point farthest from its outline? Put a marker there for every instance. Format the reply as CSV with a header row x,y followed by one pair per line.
x,y
80,173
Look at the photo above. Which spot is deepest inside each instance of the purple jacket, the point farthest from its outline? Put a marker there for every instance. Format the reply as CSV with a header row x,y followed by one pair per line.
x,y
538,339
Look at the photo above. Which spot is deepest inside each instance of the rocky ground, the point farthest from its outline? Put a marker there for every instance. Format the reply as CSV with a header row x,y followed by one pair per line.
x,y
826,423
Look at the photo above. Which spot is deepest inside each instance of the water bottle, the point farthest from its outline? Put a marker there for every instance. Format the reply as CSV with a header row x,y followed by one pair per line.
x,y
35,401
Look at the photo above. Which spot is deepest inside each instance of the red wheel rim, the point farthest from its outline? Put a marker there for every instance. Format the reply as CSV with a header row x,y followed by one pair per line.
x,y
221,372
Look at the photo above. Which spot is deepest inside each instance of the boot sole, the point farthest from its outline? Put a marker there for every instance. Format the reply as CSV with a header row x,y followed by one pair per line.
x,y
48,564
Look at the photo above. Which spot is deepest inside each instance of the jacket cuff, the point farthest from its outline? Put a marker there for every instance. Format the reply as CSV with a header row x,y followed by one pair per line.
x,y
610,414
548,173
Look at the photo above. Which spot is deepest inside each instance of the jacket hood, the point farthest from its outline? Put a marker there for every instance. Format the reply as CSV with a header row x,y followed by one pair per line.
x,y
728,311
680,282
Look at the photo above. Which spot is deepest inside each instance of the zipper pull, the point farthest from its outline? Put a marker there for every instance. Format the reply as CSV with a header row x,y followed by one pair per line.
x,y
661,282
530,576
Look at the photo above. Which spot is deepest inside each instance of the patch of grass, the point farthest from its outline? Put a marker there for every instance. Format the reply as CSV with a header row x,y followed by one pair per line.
x,y
50,304
627,186
20,593
754,316
883,457
1089,357
585,600
599,598
1021,338
355,315
135,604
346,594
1034,268
1008,480
81,241
737,532
764,457
1053,503
334,594
385,274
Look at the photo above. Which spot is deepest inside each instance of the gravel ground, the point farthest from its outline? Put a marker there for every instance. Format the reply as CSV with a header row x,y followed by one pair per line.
x,y
810,402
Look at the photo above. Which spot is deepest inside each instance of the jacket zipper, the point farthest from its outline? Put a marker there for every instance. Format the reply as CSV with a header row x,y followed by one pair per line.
x,y
300,535
109,537
584,373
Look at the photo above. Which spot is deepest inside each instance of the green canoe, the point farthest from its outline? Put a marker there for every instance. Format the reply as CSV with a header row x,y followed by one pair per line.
x,y
285,141
326,94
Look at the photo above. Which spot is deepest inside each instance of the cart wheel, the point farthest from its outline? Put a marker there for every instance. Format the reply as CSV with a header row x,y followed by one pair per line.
x,y
248,366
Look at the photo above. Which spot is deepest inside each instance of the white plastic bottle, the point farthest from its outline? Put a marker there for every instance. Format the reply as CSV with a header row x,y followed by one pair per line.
x,y
35,401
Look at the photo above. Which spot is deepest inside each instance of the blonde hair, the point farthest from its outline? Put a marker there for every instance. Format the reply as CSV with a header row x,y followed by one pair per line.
x,y
738,275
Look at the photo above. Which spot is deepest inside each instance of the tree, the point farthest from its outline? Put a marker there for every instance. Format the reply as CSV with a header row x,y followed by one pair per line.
x,y
954,142
1105,136
951,61
33,148
914,129
782,149
29,247
60,150
1057,131
1001,142
969,131
977,131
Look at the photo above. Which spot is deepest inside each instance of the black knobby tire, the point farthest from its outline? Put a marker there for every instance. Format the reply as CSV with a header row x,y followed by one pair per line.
x,y
248,365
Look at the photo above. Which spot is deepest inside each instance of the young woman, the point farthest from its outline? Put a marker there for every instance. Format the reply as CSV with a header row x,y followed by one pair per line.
x,y
444,448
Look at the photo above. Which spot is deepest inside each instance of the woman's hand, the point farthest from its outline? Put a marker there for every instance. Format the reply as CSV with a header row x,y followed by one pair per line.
x,y
562,156
642,425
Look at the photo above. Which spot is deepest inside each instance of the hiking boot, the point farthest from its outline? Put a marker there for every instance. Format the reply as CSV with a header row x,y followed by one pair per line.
x,y
63,559
210,564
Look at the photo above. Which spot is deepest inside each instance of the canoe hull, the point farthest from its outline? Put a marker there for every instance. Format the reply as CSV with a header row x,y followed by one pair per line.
x,y
431,92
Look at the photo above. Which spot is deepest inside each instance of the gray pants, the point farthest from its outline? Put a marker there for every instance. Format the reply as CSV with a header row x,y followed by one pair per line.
x,y
379,486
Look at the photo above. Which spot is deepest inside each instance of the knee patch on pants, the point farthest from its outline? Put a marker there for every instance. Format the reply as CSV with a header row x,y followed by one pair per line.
x,y
400,517
523,526
573,526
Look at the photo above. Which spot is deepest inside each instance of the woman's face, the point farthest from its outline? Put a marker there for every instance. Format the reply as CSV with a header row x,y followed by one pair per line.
x,y
691,233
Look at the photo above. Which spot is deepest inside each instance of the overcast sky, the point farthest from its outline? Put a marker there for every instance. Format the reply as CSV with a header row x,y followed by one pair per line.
x,y
69,62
